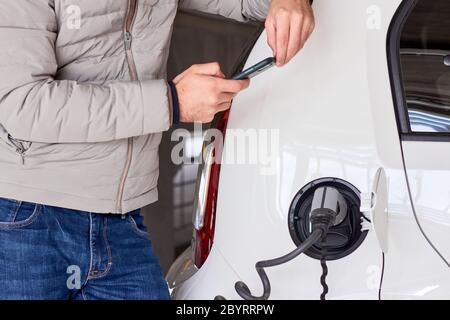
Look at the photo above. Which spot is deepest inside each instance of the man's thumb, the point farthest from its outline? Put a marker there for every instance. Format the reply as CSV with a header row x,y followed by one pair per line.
x,y
209,69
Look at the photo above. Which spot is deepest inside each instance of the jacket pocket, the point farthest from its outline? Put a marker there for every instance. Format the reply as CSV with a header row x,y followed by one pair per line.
x,y
16,214
20,147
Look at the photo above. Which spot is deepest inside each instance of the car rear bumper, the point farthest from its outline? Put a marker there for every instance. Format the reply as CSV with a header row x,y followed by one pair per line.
x,y
216,277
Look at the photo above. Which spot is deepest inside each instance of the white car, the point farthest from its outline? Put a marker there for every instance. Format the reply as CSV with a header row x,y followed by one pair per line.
x,y
363,109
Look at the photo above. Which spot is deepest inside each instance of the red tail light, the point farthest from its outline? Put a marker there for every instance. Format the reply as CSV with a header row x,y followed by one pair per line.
x,y
207,190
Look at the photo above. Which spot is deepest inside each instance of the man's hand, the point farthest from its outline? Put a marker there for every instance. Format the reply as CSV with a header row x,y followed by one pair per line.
x,y
203,92
289,25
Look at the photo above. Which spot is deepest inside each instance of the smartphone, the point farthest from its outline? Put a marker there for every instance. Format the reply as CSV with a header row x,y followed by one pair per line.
x,y
256,69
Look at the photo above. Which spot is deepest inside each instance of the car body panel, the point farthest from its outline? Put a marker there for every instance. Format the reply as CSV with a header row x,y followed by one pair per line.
x,y
428,165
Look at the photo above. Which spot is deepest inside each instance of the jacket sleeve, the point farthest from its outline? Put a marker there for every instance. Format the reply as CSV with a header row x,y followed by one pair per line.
x,y
34,106
240,10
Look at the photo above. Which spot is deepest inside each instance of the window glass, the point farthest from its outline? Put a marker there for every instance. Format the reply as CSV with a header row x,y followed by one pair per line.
x,y
425,64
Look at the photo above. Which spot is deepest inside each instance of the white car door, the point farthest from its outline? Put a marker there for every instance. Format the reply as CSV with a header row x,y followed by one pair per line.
x,y
420,61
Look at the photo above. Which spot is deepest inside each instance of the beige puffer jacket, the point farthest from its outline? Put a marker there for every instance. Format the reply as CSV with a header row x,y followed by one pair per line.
x,y
84,97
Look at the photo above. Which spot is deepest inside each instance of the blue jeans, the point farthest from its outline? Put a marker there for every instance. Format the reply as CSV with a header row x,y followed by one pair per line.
x,y
49,253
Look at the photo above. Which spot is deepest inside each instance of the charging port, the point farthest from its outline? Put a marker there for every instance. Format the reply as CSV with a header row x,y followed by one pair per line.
x,y
344,237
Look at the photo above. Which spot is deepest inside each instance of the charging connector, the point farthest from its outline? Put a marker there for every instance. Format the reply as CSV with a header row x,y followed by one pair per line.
x,y
328,209
345,235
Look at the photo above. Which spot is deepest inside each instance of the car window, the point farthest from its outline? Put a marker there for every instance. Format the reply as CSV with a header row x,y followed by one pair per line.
x,y
425,66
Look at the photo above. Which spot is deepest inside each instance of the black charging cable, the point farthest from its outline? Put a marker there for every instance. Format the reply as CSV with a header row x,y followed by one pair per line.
x,y
243,290
321,221
327,209
323,263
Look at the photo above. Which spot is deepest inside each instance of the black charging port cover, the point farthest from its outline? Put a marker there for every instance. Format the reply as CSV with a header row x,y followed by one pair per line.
x,y
342,239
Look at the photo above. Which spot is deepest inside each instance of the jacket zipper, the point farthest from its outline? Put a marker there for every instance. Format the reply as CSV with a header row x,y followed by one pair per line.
x,y
20,149
128,39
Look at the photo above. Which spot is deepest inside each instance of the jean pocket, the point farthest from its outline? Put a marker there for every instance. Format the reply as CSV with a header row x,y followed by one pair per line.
x,y
137,223
16,214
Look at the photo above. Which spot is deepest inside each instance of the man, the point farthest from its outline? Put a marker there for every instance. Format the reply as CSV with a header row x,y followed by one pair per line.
x,y
83,103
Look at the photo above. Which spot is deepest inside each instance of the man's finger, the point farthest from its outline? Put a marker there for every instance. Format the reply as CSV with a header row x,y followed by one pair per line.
x,y
224,106
209,69
180,77
282,29
232,86
226,97
308,27
295,37
271,36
